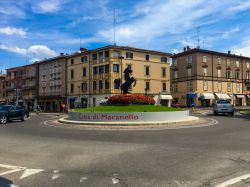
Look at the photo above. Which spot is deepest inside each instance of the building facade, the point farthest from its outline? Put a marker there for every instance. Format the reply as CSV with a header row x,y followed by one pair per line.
x,y
95,75
2,89
52,84
199,77
22,86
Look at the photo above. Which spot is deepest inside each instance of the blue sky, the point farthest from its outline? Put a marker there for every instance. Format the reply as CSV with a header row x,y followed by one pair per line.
x,y
41,29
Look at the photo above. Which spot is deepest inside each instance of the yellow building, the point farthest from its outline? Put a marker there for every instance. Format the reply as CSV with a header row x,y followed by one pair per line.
x,y
199,77
95,75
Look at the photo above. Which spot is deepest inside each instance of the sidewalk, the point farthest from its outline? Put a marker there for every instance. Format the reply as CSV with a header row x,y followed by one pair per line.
x,y
59,114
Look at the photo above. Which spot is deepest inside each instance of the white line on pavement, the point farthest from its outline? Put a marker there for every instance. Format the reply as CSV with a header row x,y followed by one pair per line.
x,y
83,179
11,167
29,172
55,175
10,171
233,181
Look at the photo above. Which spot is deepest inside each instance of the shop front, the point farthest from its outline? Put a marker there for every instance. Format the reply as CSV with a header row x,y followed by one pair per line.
x,y
222,96
165,100
248,99
206,99
191,96
239,99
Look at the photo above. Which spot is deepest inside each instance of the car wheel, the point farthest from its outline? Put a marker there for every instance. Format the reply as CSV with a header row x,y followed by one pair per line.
x,y
3,120
25,117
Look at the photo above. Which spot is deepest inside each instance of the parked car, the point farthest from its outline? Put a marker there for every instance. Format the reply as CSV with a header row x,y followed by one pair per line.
x,y
11,112
223,106
176,105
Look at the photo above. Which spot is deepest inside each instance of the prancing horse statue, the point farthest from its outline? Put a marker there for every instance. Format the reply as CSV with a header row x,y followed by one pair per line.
x,y
128,80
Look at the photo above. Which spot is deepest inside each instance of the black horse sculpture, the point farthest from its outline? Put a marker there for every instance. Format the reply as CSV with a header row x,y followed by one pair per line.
x,y
128,81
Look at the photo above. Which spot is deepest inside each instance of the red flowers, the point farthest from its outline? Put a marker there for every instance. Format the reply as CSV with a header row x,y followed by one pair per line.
x,y
138,99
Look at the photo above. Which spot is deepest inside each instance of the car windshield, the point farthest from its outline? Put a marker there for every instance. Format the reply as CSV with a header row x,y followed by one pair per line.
x,y
5,108
223,102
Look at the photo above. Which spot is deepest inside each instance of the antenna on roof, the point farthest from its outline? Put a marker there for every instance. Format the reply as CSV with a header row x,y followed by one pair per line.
x,y
114,27
198,36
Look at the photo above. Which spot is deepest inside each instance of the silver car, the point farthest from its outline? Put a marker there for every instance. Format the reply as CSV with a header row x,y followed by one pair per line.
x,y
223,106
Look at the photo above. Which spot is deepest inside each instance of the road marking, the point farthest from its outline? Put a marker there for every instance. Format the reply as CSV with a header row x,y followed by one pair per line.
x,y
55,175
10,167
29,172
10,171
83,179
115,180
233,181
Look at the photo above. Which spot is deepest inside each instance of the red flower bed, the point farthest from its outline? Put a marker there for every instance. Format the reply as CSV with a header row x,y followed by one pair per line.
x,y
131,99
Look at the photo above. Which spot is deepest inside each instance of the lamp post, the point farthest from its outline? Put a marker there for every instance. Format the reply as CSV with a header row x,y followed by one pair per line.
x,y
79,101
121,58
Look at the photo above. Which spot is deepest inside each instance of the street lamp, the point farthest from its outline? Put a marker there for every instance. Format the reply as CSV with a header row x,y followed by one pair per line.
x,y
121,58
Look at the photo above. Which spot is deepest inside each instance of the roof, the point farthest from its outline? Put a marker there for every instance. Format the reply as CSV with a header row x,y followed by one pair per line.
x,y
24,66
197,50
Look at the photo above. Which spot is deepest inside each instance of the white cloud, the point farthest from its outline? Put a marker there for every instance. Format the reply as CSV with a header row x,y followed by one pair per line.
x,y
242,49
36,51
12,31
17,50
241,6
49,6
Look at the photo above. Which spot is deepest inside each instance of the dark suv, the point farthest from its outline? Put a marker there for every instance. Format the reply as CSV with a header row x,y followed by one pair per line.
x,y
11,112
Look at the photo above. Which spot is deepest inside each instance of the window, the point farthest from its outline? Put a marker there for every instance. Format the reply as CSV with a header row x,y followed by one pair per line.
x,y
238,88
72,61
229,87
219,73
100,55
116,68
44,90
147,86
164,86
100,85
84,72
218,60
237,63
106,67
147,70
219,87
94,85
175,87
190,59
129,55
95,70
84,86
248,75
228,62
163,70
101,69
106,84
205,86
204,71
175,74
248,65
72,74
189,72
237,75
106,54
189,86
228,74
94,56
204,59
116,84
147,57
175,62
84,59
164,59
116,53
72,88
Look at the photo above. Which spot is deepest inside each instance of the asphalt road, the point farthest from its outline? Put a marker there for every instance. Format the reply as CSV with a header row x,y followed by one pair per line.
x,y
36,155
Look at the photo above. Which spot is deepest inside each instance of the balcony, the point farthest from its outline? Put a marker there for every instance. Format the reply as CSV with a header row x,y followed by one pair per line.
x,y
29,87
29,76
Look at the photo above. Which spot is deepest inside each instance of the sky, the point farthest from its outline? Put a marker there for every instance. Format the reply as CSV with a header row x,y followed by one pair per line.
x,y
33,30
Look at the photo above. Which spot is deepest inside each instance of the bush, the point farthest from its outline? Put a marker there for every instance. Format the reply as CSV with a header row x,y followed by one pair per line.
x,y
126,99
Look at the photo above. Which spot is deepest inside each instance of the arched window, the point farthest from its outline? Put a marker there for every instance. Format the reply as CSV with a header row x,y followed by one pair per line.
x,y
116,83
106,84
100,85
94,85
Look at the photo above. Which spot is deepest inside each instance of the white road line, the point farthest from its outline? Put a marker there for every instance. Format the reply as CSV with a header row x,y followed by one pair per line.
x,y
233,181
83,179
55,175
29,172
11,167
11,171
115,180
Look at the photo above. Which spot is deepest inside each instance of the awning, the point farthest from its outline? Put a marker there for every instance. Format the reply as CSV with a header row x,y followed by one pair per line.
x,y
165,97
239,96
207,96
191,95
222,96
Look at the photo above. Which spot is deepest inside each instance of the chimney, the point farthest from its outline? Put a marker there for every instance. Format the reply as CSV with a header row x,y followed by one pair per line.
x,y
82,49
184,49
61,54
229,52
